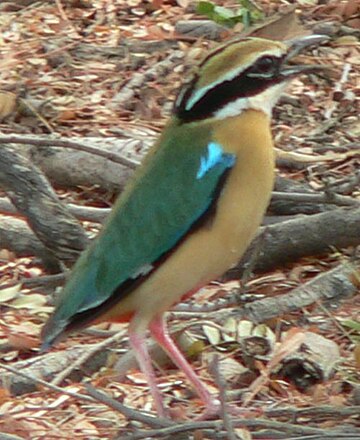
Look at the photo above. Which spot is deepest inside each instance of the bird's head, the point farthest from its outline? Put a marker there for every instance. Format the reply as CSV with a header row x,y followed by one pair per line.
x,y
240,75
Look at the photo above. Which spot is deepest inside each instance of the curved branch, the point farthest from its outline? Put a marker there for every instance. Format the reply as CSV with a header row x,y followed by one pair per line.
x,y
33,196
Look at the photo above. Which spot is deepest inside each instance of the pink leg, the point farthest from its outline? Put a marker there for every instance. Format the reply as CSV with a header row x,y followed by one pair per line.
x,y
138,343
160,333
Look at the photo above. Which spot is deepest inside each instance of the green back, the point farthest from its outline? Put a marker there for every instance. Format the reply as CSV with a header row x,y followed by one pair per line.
x,y
158,208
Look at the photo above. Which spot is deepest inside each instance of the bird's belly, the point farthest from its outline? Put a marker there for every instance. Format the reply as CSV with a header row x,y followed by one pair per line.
x,y
203,256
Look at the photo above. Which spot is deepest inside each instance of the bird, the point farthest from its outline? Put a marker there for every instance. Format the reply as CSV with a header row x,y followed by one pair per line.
x,y
192,207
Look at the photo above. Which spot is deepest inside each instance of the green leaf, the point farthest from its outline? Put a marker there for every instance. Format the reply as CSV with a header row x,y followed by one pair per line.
x,y
354,325
246,17
224,13
205,8
246,14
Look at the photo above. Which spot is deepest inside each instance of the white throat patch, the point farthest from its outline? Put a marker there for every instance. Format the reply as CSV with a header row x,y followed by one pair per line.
x,y
264,102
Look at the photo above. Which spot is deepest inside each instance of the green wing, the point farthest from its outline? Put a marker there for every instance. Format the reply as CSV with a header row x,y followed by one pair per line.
x,y
176,185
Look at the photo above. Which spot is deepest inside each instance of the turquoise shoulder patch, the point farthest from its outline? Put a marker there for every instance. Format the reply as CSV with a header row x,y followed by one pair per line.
x,y
214,156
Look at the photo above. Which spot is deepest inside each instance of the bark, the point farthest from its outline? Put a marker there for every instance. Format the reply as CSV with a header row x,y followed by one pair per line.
x,y
70,166
49,365
71,163
337,283
109,162
15,235
33,196
282,207
201,29
303,236
90,214
276,245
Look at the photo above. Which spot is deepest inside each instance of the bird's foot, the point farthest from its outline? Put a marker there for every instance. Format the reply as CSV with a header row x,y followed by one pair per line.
x,y
161,410
212,410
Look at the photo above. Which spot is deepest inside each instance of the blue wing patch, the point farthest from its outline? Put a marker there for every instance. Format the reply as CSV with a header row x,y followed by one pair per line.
x,y
215,156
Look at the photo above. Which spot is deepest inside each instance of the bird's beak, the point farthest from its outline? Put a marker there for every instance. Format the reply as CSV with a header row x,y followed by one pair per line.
x,y
295,47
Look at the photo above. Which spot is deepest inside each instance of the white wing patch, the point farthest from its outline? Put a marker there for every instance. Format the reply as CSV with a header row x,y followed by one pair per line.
x,y
142,271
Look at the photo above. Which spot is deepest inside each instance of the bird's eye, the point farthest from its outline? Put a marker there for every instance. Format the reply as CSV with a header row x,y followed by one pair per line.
x,y
264,66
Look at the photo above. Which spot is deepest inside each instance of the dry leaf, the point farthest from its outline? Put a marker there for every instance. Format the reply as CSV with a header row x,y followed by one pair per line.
x,y
4,396
230,327
243,434
183,3
213,334
357,355
22,341
32,301
291,343
9,293
67,115
8,102
281,27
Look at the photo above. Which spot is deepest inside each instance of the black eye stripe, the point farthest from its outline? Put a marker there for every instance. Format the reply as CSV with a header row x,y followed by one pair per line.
x,y
255,79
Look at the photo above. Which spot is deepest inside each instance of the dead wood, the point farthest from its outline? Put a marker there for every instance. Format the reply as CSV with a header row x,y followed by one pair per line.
x,y
303,236
126,94
63,50
314,361
312,202
201,28
277,244
102,162
74,163
115,158
91,214
128,46
109,162
4,436
316,413
340,282
16,236
47,366
33,196
268,428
